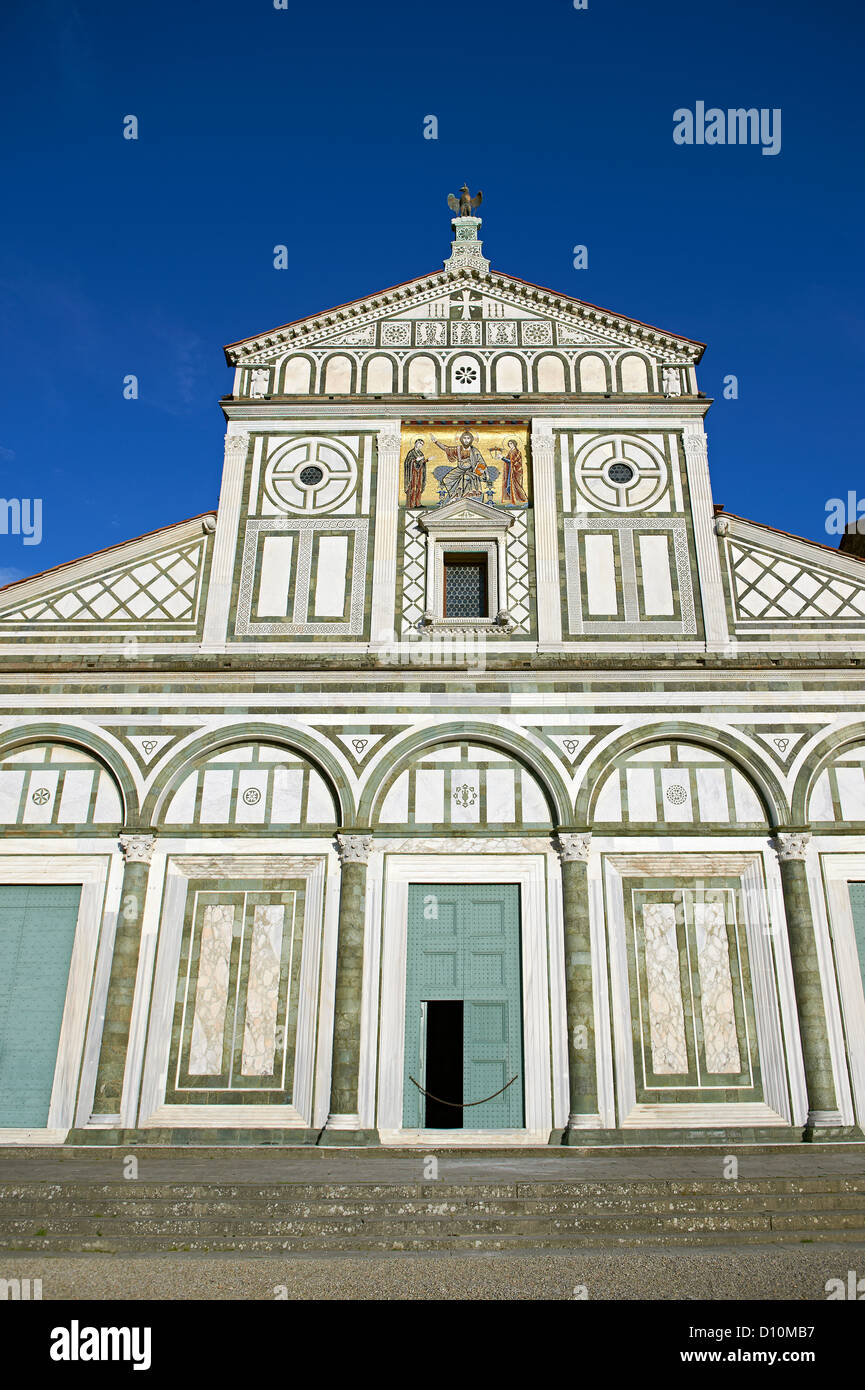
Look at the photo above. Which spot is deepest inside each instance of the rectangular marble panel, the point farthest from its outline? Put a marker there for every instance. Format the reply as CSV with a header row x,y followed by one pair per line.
x,y
10,796
216,797
501,804
250,804
287,795
642,804
331,576
75,796
664,986
712,794
430,795
851,792
211,992
262,993
37,811
275,577
655,572
716,990
602,597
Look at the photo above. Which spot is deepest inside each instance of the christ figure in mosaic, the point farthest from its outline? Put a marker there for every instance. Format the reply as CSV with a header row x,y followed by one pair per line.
x,y
414,474
513,491
469,475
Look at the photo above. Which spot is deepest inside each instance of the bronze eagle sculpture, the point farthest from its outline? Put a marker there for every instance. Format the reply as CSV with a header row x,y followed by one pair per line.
x,y
465,203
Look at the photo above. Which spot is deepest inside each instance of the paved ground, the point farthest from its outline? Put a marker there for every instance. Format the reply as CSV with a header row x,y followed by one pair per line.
x,y
645,1274
398,1166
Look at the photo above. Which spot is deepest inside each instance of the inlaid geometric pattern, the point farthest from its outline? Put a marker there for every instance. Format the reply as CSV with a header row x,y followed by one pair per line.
x,y
252,785
55,785
414,572
769,585
463,785
162,588
677,784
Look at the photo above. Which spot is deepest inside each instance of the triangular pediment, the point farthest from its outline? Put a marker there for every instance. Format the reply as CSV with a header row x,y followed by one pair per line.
x,y
464,309
778,579
147,586
464,512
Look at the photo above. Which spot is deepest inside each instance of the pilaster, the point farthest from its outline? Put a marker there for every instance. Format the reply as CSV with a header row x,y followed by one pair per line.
x,y
548,586
226,540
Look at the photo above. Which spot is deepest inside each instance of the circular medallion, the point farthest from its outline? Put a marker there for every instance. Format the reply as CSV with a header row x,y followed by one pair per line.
x,y
252,796
677,795
313,473
620,472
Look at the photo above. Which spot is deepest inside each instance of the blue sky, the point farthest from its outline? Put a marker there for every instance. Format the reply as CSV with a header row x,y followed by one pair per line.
x,y
304,127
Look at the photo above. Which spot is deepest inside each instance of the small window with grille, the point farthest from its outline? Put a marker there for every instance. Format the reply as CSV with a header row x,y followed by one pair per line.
x,y
466,590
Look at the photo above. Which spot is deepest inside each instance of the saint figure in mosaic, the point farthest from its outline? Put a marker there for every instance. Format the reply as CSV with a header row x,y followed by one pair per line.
x,y
414,474
513,491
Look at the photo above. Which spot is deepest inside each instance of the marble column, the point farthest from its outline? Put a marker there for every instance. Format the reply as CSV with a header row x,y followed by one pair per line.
x,y
343,1123
579,993
137,851
792,848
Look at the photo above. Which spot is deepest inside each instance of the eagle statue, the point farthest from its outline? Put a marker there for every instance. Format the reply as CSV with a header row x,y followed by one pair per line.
x,y
465,204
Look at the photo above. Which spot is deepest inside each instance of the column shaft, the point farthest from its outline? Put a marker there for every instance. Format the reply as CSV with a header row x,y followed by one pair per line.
x,y
121,983
813,1028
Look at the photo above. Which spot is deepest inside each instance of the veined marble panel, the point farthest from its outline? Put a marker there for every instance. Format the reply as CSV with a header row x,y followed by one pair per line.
x,y
211,992
664,985
262,995
716,989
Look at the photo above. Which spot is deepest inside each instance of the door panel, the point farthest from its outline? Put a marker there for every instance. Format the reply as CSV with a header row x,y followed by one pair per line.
x,y
857,903
464,944
37,929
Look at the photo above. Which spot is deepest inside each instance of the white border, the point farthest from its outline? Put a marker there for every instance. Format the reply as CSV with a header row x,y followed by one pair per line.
x,y
838,871
178,861
100,876
530,872
762,922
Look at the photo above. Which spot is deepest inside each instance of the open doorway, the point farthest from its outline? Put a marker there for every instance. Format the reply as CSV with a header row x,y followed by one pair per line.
x,y
444,1063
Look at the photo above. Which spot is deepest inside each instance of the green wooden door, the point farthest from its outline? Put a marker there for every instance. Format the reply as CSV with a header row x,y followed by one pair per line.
x,y
857,903
37,928
464,944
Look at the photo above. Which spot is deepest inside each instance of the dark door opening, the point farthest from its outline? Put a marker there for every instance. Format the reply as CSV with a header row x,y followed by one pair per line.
x,y
444,1063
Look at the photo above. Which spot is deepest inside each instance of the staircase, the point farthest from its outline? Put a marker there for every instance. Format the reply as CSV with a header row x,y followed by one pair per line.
x,y
75,1215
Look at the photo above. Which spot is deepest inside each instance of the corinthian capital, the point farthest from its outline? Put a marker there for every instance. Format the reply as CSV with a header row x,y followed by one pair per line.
x,y
354,849
388,440
574,848
236,445
695,445
137,849
792,844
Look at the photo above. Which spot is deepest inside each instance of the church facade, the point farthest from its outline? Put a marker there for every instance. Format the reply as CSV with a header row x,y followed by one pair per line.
x,y
466,777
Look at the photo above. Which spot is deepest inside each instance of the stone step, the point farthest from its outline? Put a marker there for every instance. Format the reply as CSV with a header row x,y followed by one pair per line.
x,y
438,1191
398,1225
366,1243
86,1205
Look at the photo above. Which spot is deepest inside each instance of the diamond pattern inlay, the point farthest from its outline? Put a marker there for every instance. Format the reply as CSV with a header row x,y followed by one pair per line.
x,y
769,586
162,588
